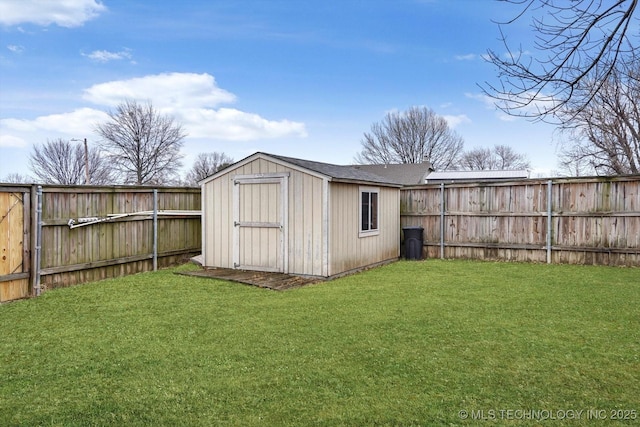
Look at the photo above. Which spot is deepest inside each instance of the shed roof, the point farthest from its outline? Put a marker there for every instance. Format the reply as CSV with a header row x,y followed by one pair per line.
x,y
405,174
338,173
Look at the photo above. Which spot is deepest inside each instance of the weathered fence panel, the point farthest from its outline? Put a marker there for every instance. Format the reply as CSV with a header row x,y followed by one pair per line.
x,y
581,220
15,244
597,222
118,246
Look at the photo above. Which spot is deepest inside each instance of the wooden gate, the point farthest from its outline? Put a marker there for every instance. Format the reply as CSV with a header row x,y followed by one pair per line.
x,y
14,242
260,231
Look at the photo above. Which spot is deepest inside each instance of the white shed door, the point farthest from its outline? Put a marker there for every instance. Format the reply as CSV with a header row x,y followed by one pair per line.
x,y
259,222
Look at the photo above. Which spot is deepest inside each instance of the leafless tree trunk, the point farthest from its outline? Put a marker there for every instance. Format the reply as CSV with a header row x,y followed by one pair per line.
x,y
63,162
575,41
501,157
606,133
143,145
207,164
412,136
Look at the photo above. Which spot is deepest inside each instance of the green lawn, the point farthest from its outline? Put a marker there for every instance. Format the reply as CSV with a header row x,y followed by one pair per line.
x,y
411,343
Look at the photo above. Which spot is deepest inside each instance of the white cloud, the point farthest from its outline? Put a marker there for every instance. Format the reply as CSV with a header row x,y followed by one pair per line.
x,y
67,13
454,121
235,125
170,90
467,57
505,117
78,123
187,97
490,104
190,98
15,48
485,99
516,55
106,56
12,141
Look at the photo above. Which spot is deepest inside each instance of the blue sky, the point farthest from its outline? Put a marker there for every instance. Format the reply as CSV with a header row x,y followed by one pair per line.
x,y
298,78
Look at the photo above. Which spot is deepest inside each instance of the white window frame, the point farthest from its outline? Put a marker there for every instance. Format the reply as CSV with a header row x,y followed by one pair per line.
x,y
376,231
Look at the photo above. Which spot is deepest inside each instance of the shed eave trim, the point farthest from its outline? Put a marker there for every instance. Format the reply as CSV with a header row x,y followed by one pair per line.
x,y
360,182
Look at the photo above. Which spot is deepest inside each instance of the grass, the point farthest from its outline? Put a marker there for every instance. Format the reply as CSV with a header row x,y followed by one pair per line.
x,y
412,343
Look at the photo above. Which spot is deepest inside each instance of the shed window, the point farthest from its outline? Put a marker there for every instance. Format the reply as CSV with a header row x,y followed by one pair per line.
x,y
369,211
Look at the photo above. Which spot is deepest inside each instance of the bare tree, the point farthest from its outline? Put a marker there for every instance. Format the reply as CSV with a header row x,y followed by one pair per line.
x,y
606,133
412,136
477,159
576,41
143,145
207,164
501,157
63,162
508,159
16,178
573,161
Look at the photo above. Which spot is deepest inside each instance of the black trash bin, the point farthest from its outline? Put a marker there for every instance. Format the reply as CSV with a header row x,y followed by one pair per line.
x,y
413,241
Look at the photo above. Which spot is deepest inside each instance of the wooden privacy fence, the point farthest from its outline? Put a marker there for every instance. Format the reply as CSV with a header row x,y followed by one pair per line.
x,y
54,236
577,220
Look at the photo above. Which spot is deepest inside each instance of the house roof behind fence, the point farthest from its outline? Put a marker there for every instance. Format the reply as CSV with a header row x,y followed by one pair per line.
x,y
459,176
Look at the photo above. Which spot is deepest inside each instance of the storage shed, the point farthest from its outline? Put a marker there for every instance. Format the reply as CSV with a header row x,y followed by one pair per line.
x,y
275,213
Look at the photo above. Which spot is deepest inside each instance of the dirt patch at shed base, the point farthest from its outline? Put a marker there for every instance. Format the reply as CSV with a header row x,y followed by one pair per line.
x,y
268,280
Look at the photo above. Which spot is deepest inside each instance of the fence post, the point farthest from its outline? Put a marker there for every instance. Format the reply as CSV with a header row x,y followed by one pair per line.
x,y
442,220
549,219
155,229
38,248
